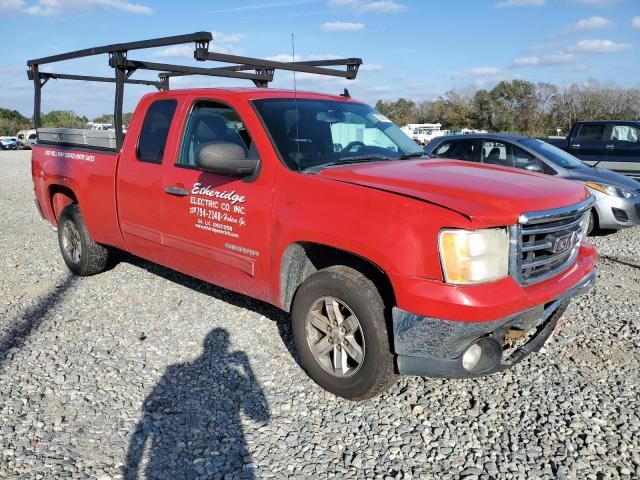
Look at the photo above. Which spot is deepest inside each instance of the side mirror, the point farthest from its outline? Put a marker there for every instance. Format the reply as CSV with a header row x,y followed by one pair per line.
x,y
533,167
226,159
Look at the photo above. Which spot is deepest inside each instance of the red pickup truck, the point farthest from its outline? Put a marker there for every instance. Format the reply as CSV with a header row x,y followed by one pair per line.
x,y
318,204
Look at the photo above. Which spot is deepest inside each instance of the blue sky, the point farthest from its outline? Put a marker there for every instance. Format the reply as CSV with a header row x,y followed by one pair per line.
x,y
415,49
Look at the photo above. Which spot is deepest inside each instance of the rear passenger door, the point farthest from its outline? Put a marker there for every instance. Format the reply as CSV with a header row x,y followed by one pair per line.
x,y
589,143
139,180
623,149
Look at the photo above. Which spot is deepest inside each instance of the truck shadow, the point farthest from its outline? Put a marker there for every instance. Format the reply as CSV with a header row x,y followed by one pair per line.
x,y
237,299
191,425
32,318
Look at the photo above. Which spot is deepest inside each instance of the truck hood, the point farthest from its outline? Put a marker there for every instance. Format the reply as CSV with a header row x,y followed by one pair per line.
x,y
488,195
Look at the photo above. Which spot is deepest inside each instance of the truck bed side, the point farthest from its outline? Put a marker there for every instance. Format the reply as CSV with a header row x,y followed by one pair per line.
x,y
63,174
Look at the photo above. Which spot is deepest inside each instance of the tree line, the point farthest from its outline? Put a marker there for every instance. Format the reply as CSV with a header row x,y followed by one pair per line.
x,y
11,121
519,106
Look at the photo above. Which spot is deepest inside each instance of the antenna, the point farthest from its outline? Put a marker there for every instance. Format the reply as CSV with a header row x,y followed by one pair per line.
x,y
295,98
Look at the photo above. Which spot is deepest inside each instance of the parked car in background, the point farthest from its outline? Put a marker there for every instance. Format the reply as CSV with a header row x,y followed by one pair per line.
x,y
30,137
21,136
617,196
423,133
8,143
611,144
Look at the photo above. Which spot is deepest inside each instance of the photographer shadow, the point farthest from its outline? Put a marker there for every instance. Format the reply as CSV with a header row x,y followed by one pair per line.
x,y
191,425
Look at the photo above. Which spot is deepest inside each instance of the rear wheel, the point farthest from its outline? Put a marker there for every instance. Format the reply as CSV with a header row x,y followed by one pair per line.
x,y
82,255
340,332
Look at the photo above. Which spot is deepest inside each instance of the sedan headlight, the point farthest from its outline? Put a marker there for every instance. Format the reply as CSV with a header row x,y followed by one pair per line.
x,y
474,256
611,190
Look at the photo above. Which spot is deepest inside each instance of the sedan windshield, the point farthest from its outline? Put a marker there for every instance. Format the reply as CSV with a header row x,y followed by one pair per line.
x,y
553,153
320,133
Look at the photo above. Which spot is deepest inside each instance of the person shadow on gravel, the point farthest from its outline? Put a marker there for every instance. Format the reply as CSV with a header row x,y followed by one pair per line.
x,y
191,426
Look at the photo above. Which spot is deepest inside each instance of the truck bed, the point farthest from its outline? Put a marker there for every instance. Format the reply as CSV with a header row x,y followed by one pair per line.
x,y
62,172
99,139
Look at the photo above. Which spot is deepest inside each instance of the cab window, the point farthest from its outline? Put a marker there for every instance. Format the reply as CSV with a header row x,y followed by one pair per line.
x,y
211,122
155,129
496,153
457,150
625,133
591,131
508,155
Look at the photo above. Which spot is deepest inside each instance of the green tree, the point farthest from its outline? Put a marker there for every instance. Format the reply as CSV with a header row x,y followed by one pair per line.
x,y
63,119
515,104
481,110
11,121
400,112
104,118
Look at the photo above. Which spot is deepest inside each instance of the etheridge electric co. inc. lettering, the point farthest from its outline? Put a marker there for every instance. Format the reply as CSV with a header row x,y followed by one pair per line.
x,y
209,191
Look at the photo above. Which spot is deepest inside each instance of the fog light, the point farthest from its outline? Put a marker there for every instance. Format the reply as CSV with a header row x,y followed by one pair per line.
x,y
483,355
471,356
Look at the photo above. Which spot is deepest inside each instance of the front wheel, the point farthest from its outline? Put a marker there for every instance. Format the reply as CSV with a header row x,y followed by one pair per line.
x,y
80,252
591,224
340,332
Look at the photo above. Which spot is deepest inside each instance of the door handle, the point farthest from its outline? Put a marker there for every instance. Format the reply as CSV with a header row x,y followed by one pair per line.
x,y
575,145
176,190
610,147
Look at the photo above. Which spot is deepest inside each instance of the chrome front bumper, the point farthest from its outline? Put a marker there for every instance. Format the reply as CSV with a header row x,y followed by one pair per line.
x,y
433,347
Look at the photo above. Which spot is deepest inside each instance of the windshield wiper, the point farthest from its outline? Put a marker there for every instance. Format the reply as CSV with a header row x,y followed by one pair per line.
x,y
351,160
406,156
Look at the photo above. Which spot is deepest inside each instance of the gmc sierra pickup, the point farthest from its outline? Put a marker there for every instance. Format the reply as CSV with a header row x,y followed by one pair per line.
x,y
387,262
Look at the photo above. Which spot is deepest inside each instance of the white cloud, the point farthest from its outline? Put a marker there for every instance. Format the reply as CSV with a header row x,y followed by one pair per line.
x,y
56,7
519,3
367,6
591,23
476,72
220,43
220,37
600,46
383,6
342,26
481,77
635,22
595,3
544,61
370,67
8,6
286,57
266,6
176,51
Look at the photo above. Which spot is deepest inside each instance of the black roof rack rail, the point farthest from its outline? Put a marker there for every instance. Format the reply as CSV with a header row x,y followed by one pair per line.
x,y
124,67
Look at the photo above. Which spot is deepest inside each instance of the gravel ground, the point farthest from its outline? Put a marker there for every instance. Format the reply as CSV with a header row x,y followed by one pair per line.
x,y
92,370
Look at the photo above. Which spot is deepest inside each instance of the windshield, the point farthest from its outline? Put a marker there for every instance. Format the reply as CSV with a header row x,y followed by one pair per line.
x,y
557,156
315,133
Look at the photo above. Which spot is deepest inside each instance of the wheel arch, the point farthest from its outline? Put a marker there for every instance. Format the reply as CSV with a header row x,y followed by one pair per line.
x,y
301,259
60,197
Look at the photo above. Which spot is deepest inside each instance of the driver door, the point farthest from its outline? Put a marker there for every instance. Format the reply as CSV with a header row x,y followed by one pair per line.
x,y
217,227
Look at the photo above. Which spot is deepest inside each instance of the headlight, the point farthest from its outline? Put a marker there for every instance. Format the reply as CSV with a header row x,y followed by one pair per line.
x,y
474,256
611,190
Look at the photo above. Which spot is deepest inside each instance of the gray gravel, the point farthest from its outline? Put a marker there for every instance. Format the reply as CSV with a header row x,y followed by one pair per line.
x,y
145,367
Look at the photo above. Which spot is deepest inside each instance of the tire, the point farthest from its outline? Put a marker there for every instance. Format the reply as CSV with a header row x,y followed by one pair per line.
x,y
352,295
592,225
83,256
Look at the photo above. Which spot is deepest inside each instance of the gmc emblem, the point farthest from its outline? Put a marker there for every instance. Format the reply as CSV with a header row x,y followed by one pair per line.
x,y
563,243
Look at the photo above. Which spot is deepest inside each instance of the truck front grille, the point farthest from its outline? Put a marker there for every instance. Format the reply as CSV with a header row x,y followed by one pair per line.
x,y
548,241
